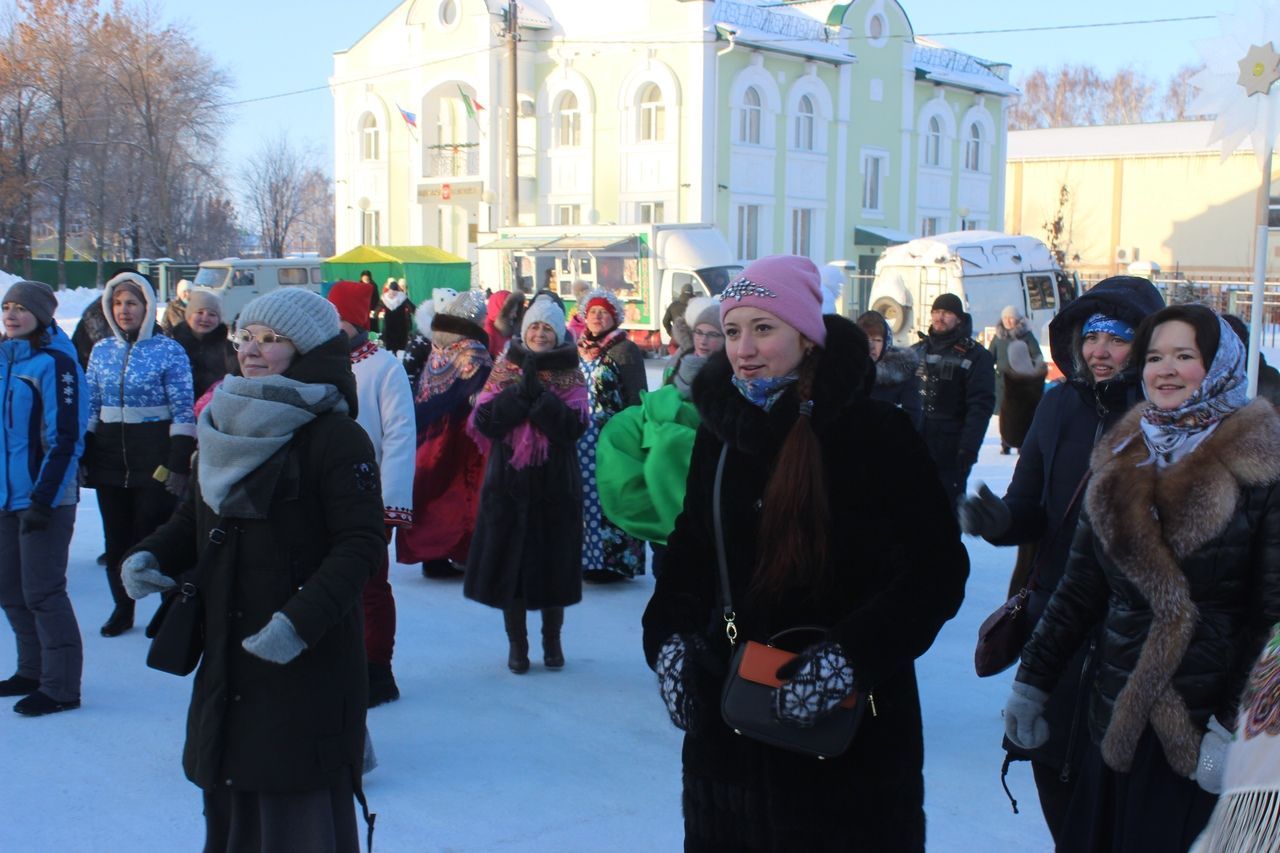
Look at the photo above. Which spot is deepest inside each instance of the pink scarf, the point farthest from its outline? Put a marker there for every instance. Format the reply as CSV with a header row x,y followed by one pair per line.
x,y
528,444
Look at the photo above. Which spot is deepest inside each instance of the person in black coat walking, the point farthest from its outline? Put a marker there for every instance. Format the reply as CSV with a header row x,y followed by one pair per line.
x,y
896,380
203,336
1177,561
957,392
787,403
1091,340
395,316
527,549
283,525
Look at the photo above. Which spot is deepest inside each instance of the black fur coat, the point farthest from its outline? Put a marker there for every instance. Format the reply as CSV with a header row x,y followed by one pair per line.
x,y
891,590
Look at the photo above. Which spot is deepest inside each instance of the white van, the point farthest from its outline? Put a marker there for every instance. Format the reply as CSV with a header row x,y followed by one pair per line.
x,y
986,269
238,281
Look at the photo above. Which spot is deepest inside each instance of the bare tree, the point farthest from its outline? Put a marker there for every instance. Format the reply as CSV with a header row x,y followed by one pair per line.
x,y
1077,95
1180,93
277,182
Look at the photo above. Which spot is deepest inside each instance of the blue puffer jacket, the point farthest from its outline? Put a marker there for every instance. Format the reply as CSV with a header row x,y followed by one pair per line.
x,y
46,408
141,401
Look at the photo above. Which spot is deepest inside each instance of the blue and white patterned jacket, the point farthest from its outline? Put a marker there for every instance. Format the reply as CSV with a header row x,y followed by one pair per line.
x,y
141,401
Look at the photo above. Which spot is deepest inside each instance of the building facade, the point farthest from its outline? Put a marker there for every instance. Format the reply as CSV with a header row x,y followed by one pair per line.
x,y
825,129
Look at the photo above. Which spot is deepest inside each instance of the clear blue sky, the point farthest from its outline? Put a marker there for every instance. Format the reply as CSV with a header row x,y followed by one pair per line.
x,y
276,46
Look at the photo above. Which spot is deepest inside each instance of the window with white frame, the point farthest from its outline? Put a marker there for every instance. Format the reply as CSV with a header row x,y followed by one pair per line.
x,y
568,122
970,224
652,127
748,231
928,226
749,117
933,143
567,214
369,228
874,169
368,137
804,124
649,212
973,149
801,231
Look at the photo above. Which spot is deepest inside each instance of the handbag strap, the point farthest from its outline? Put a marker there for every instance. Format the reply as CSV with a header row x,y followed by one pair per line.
x,y
726,601
1057,534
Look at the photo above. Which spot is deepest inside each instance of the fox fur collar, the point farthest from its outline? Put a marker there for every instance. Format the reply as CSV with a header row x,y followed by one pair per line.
x,y
1148,521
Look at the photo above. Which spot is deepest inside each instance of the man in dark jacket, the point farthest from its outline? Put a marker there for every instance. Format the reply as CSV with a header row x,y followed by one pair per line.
x,y
957,392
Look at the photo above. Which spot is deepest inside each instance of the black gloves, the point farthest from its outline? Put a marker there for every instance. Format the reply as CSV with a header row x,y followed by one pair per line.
x,y
984,514
965,460
34,518
816,681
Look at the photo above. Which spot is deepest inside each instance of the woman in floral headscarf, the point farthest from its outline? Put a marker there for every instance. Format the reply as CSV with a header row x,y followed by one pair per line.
x,y
1177,558
614,370
448,466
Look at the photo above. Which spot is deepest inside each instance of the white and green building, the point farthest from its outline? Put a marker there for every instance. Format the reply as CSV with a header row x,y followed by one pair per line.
x,y
819,128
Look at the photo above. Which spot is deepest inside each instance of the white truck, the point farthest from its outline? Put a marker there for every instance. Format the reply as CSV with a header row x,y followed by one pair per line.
x,y
645,266
986,269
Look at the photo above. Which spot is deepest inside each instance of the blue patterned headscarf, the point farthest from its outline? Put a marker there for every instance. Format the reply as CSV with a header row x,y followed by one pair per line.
x,y
1102,323
1173,433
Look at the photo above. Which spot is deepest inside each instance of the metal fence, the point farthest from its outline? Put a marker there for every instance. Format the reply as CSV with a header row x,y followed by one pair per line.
x,y
1226,296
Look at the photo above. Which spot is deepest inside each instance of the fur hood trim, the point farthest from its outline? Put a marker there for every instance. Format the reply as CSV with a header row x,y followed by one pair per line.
x,y
895,366
1148,520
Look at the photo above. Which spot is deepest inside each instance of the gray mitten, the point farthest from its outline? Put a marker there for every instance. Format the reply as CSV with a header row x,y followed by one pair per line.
x,y
1024,723
984,514
673,668
1212,765
141,575
815,682
278,642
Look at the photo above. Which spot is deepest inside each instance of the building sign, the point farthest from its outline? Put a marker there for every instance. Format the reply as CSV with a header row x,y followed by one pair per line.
x,y
470,190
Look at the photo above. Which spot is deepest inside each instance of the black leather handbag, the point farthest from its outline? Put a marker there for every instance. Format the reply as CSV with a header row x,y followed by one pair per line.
x,y
179,642
746,702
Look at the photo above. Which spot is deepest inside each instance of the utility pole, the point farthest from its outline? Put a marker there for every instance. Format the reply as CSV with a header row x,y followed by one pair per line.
x,y
513,104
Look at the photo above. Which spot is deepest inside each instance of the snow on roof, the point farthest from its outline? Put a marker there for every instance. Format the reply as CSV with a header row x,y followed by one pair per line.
x,y
766,25
1111,140
531,14
944,65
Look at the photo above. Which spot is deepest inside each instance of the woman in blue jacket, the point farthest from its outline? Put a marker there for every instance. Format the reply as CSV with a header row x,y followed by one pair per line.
x,y
45,411
142,422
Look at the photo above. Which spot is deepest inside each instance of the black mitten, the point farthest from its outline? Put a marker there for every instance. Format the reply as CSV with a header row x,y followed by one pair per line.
x,y
816,681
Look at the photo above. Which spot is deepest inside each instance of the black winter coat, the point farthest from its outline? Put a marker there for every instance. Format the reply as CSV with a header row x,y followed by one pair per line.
x,y
957,393
1181,568
259,726
527,543
897,383
740,794
396,324
212,357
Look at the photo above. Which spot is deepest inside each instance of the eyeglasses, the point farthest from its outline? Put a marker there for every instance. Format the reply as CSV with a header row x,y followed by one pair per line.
x,y
710,336
243,337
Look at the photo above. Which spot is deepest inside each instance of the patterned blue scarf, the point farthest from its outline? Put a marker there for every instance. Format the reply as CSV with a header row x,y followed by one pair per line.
x,y
766,390
1173,433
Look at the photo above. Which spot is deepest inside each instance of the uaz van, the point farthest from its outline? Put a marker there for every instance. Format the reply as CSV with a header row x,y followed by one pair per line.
x,y
238,281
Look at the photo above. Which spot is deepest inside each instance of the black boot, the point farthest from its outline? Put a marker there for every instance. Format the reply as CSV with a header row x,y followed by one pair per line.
x,y
440,570
514,618
121,618
382,685
552,653
19,685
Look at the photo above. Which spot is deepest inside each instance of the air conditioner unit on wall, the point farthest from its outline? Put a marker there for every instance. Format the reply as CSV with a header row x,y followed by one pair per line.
x,y
1126,255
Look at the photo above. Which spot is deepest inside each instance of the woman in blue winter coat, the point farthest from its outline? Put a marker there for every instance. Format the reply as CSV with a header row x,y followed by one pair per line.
x,y
142,426
45,411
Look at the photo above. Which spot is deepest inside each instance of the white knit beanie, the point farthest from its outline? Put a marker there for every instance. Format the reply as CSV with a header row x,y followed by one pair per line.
x,y
543,309
703,309
303,317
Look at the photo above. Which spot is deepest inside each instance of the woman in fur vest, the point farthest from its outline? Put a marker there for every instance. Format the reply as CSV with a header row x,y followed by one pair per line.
x,y
896,380
788,405
1022,387
527,550
1177,558
1013,328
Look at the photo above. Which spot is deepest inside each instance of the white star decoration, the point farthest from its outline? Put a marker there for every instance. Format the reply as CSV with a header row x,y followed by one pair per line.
x,y
1236,85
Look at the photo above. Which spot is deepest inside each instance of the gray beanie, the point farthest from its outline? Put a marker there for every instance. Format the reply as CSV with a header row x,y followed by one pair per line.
x,y
37,297
469,305
303,317
543,309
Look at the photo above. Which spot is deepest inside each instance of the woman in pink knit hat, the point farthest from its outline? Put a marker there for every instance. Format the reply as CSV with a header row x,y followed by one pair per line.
x,y
832,516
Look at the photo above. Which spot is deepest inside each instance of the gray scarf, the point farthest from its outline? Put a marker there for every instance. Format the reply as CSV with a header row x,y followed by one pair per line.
x,y
245,425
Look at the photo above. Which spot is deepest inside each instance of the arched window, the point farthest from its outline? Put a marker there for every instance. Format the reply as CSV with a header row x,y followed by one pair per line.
x,y
804,124
933,143
749,121
973,149
368,137
568,122
652,127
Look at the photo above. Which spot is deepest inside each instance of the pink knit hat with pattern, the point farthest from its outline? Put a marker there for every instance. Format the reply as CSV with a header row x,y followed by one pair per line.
x,y
787,286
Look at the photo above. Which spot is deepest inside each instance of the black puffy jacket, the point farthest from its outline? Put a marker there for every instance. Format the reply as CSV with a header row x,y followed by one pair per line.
x,y
1181,567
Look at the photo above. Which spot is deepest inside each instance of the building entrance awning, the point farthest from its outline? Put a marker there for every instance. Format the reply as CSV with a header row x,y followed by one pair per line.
x,y
867,235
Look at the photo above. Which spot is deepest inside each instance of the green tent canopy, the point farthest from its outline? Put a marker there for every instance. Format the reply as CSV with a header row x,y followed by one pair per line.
x,y
423,268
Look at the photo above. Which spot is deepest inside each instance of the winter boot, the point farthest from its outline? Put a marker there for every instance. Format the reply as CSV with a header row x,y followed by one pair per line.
x,y
552,653
19,685
382,685
38,704
121,618
514,618
440,570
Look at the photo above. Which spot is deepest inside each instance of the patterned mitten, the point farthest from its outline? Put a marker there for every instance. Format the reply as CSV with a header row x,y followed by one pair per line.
x,y
815,682
674,680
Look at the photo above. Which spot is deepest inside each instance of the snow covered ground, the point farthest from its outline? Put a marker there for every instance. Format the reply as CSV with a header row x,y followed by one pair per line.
x,y
473,758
